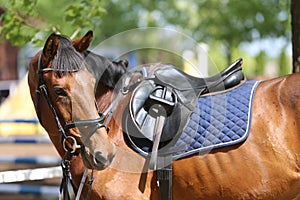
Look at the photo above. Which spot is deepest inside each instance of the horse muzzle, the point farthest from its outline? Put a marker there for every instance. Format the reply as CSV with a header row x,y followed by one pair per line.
x,y
96,159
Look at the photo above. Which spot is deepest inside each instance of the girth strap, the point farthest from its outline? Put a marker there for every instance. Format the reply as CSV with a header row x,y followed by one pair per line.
x,y
164,179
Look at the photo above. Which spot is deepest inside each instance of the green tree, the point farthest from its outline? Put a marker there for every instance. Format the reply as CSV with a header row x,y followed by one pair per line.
x,y
284,67
228,21
295,13
32,20
261,62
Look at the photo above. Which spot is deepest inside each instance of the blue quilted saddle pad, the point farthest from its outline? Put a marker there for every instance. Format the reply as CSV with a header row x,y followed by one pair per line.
x,y
218,120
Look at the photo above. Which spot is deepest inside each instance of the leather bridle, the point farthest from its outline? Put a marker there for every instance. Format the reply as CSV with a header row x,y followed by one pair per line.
x,y
66,188
42,90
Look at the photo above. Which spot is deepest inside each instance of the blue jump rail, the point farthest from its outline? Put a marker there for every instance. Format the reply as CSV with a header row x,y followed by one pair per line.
x,y
25,140
49,160
29,189
32,121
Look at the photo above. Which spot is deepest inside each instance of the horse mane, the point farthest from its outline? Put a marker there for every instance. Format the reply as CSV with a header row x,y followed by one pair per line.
x,y
104,70
67,59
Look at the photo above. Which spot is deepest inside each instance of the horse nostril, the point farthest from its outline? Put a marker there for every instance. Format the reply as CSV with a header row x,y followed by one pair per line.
x,y
99,158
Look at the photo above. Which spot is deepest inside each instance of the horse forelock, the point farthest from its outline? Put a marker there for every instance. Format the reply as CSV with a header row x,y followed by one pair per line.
x,y
67,59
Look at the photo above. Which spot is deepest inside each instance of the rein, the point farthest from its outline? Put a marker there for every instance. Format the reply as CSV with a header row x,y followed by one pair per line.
x,y
67,188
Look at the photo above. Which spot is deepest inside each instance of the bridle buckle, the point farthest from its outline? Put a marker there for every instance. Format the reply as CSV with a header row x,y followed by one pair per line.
x,y
74,144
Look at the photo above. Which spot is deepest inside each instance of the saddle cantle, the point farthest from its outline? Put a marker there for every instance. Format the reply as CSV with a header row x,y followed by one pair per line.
x,y
167,91
231,76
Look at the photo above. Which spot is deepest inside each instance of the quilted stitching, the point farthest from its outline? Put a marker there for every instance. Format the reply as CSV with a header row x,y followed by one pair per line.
x,y
217,121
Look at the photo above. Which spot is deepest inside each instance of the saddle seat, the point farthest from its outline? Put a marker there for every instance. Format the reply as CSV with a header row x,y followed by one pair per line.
x,y
172,94
178,79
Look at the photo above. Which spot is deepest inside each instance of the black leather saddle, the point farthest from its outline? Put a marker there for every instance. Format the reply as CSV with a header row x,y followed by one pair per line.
x,y
172,94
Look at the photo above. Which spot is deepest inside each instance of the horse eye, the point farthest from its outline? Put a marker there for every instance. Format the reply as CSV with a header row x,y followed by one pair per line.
x,y
60,92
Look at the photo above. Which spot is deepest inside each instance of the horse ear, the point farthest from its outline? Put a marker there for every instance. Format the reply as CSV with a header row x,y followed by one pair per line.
x,y
82,44
50,49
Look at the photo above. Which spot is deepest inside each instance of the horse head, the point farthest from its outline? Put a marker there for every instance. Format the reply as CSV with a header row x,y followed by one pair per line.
x,y
106,72
63,91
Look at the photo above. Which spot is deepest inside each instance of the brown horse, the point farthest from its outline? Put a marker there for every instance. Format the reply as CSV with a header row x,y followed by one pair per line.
x,y
265,166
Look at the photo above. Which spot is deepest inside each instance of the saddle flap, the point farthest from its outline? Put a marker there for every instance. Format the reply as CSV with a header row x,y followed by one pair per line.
x,y
148,101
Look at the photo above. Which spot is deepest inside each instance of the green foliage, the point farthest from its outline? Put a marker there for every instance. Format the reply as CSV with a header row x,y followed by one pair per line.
x,y
284,65
230,22
17,26
260,63
32,20
206,20
87,13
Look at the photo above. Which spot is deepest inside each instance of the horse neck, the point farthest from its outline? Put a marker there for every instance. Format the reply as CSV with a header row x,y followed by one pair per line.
x,y
104,96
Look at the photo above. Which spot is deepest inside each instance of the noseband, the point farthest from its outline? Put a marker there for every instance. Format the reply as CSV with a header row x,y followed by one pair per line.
x,y
95,123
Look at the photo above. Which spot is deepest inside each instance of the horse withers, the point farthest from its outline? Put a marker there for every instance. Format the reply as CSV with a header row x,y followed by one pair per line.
x,y
264,165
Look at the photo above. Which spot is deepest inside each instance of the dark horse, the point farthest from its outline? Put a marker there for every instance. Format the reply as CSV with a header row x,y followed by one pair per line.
x,y
265,166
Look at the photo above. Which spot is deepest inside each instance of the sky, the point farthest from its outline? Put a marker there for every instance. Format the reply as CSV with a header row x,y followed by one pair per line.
x,y
272,47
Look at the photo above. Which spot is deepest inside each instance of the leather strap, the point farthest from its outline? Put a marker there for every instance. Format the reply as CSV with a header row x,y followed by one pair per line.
x,y
81,184
164,179
159,125
90,182
66,186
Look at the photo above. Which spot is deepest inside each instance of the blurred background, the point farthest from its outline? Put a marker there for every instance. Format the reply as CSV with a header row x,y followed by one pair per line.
x,y
264,33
